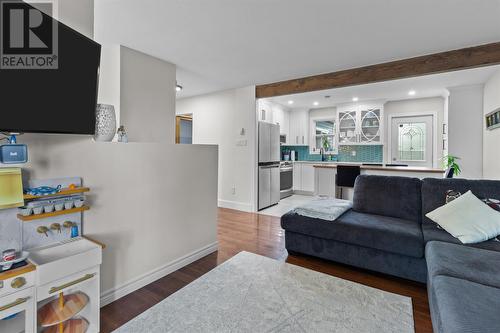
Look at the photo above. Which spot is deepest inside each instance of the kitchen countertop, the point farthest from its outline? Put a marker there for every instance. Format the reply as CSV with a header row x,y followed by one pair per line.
x,y
17,271
381,168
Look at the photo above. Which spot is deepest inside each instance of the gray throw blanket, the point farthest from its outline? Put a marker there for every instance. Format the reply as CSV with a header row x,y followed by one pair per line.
x,y
324,208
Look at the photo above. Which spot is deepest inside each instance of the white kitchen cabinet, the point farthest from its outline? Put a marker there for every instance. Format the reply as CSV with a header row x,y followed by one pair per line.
x,y
265,112
325,181
303,178
360,124
307,178
275,114
282,118
299,127
297,176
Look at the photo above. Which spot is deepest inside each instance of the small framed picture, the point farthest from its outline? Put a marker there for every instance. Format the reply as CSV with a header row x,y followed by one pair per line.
x,y
493,120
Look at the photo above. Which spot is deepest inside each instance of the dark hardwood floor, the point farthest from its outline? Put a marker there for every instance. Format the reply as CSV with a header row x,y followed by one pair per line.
x,y
239,231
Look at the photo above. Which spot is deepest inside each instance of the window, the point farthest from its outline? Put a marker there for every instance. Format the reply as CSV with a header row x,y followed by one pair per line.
x,y
411,141
324,135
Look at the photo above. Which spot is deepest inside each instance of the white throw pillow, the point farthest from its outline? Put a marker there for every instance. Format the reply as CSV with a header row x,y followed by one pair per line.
x,y
468,219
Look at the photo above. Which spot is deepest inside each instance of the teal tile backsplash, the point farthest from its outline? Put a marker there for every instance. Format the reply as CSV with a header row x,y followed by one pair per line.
x,y
370,154
301,153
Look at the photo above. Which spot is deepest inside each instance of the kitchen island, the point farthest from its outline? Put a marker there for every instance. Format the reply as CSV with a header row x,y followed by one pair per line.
x,y
325,172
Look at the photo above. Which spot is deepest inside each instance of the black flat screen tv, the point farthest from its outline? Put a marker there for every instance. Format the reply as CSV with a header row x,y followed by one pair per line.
x,y
61,100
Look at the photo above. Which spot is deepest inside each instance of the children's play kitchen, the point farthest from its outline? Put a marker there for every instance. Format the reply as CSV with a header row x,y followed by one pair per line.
x,y
49,271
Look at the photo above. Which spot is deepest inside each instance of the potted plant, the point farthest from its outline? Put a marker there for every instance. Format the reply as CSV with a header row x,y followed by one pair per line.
x,y
450,161
325,143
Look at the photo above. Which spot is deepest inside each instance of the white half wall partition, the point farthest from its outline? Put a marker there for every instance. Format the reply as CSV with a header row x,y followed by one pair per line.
x,y
153,204
228,119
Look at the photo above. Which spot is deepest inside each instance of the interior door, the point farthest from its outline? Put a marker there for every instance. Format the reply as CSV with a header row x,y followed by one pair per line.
x,y
411,140
184,129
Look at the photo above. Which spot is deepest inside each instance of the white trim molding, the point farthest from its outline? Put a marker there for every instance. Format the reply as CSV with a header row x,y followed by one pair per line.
x,y
114,294
243,206
435,132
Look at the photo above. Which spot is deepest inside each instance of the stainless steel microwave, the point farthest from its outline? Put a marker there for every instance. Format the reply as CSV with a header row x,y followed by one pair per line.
x,y
283,139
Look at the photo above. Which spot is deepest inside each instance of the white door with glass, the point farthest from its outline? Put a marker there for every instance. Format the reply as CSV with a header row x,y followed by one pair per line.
x,y
411,140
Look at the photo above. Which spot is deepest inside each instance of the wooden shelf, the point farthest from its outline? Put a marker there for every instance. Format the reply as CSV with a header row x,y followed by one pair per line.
x,y
52,314
79,325
54,213
62,192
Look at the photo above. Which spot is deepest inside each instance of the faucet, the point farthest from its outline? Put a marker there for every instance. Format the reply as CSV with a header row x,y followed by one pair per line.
x,y
68,224
56,227
43,230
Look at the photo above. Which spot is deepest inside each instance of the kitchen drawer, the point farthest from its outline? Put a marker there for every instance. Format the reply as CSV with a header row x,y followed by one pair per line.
x,y
74,282
17,283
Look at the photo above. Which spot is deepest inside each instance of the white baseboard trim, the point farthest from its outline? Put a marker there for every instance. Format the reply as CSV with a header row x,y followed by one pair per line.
x,y
112,295
243,206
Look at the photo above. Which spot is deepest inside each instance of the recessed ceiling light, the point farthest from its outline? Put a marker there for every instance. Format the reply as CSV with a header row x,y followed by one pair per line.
x,y
355,99
178,87
290,102
412,92
316,103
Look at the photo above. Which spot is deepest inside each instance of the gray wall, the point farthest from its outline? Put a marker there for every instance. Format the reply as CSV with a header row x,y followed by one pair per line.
x,y
491,139
465,129
147,97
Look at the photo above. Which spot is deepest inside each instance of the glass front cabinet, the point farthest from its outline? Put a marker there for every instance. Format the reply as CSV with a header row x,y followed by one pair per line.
x,y
360,124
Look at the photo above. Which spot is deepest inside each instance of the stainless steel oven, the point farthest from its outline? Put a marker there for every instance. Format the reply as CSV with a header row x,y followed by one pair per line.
x,y
286,179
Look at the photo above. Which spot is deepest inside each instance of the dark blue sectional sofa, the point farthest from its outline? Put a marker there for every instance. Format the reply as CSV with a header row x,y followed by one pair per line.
x,y
387,231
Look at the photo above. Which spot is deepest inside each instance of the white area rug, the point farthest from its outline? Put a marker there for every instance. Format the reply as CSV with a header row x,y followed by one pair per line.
x,y
251,293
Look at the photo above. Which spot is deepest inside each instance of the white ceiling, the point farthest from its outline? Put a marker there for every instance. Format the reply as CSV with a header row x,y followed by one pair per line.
x,y
222,44
423,86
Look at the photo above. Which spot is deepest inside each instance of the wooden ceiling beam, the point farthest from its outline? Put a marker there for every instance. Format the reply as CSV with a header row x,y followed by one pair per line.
x,y
470,57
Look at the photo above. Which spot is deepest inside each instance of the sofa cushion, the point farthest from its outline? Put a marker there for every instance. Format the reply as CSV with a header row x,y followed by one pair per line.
x,y
476,265
434,191
461,306
373,231
432,233
388,196
468,218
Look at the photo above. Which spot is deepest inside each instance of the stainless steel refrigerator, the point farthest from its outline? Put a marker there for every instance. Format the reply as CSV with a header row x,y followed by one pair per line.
x,y
269,164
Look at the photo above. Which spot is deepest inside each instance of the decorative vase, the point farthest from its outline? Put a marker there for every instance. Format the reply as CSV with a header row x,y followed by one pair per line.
x,y
105,126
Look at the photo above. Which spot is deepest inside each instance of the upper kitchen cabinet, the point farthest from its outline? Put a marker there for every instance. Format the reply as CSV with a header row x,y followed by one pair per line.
x,y
281,117
275,114
299,131
360,124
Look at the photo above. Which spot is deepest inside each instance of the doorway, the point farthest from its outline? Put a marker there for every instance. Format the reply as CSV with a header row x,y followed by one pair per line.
x,y
412,140
184,129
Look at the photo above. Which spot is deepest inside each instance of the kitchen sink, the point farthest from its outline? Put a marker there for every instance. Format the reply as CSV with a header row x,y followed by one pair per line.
x,y
64,258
